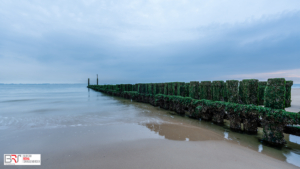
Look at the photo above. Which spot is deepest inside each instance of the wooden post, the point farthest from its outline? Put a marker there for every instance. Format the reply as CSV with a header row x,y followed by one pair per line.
x,y
88,81
97,79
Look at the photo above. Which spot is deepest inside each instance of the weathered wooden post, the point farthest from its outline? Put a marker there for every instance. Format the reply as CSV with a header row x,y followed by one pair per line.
x,y
194,87
261,92
250,91
275,93
218,88
206,90
180,89
250,118
97,79
136,87
165,88
234,111
88,81
288,93
170,88
187,89
232,90
218,112
161,88
241,86
272,126
149,88
156,88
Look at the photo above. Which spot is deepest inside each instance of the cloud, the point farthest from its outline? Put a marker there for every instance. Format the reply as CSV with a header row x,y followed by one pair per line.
x,y
293,74
146,41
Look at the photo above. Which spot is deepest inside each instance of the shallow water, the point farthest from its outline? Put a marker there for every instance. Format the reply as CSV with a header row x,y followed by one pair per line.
x,y
296,86
44,107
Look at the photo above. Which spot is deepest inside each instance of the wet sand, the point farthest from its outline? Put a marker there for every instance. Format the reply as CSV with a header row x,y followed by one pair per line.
x,y
133,146
137,135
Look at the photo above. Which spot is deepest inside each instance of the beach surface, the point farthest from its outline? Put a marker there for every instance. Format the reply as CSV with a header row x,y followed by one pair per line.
x,y
81,128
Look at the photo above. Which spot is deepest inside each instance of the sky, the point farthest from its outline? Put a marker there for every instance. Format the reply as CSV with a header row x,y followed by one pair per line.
x,y
133,41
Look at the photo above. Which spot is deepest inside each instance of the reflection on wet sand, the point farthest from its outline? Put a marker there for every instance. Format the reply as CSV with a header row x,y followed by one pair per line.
x,y
183,132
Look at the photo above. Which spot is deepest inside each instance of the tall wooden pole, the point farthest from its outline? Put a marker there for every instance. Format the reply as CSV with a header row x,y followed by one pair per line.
x,y
88,81
97,79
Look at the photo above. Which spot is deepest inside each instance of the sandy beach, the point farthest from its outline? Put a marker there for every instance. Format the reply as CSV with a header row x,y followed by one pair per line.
x,y
139,135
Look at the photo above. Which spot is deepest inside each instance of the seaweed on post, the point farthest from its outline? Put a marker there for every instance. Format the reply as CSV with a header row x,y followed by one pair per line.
x,y
170,88
187,89
275,93
288,93
261,92
232,90
194,87
206,90
250,91
165,88
218,88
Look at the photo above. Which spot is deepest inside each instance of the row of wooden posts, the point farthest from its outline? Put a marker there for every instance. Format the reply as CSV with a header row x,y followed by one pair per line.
x,y
233,100
276,93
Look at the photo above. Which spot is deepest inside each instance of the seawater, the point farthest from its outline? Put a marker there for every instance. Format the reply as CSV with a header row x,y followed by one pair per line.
x,y
29,107
296,86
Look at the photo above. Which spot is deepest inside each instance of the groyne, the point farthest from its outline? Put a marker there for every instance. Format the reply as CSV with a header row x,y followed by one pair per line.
x,y
238,102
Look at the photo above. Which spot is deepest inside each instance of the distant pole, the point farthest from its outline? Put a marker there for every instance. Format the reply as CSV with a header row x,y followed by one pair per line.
x,y
88,81
97,79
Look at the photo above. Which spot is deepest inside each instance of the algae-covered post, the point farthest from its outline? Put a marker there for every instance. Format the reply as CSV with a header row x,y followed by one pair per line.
x,y
218,88
138,89
187,89
161,88
129,87
149,87
288,93
250,91
122,87
232,90
174,88
273,127
170,88
261,92
157,88
275,93
166,88
206,90
225,92
241,98
154,88
180,89
194,87
144,88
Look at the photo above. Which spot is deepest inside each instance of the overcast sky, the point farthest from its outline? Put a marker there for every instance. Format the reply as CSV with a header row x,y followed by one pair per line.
x,y
136,41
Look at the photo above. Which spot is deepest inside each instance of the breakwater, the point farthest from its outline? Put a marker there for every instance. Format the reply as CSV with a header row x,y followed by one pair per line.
x,y
218,100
